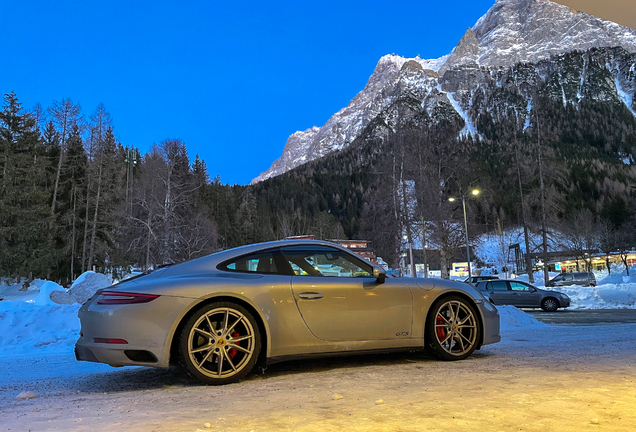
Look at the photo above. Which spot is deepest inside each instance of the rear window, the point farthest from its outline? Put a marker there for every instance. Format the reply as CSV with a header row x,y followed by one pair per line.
x,y
498,286
263,262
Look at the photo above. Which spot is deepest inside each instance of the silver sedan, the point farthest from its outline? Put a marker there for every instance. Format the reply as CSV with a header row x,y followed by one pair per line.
x,y
221,315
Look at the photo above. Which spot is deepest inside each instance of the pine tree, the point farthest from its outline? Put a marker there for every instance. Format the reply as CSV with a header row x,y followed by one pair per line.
x,y
25,240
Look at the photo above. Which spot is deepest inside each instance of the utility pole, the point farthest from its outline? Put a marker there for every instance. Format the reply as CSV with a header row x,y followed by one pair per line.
x,y
546,271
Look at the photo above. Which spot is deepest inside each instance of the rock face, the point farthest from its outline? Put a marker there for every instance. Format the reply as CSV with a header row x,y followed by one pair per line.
x,y
522,31
511,32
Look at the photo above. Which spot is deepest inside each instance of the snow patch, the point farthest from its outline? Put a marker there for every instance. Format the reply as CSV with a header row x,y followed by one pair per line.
x,y
87,284
44,296
469,128
627,99
528,111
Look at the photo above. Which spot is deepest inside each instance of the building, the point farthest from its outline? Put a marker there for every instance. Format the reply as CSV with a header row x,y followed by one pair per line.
x,y
361,247
571,261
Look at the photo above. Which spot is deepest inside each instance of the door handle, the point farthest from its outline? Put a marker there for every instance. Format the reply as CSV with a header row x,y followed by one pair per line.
x,y
310,296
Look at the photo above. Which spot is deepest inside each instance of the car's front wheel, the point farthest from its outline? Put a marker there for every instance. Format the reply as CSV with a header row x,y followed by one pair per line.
x,y
220,343
453,329
549,305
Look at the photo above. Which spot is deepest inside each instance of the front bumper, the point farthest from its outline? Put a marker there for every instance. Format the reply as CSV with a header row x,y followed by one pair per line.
x,y
564,302
148,329
491,323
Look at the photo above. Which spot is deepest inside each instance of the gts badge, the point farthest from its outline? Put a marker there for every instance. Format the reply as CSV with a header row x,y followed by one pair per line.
x,y
402,334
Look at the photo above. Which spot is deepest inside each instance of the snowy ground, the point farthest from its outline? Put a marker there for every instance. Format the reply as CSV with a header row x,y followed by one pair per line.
x,y
540,377
564,378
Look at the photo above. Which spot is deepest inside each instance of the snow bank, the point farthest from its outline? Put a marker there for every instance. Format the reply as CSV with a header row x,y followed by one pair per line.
x,y
606,296
44,296
27,325
85,286
512,318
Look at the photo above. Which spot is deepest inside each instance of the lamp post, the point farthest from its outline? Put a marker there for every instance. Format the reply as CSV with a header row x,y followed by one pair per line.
x,y
411,262
474,192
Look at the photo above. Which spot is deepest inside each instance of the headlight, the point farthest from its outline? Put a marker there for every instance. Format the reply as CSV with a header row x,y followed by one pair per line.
x,y
565,297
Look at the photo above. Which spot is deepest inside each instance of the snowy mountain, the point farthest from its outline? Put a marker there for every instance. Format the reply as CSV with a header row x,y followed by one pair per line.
x,y
538,32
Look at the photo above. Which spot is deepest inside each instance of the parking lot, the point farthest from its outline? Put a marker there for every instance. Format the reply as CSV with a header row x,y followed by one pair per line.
x,y
585,317
567,377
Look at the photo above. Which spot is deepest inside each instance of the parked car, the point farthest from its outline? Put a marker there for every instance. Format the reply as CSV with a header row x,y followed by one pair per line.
x,y
475,279
221,315
521,294
574,278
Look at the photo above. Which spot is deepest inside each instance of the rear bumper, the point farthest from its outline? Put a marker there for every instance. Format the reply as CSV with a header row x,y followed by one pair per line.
x,y
147,328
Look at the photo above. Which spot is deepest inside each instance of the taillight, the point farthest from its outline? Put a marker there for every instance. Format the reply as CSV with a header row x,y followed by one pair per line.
x,y
113,297
110,341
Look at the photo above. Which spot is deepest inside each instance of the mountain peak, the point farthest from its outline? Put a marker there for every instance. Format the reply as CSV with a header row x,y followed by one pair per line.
x,y
514,31
466,51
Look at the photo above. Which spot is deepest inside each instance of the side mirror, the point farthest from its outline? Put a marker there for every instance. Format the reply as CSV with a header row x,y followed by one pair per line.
x,y
379,275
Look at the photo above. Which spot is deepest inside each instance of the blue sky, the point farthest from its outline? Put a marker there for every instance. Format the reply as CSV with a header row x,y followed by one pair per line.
x,y
232,79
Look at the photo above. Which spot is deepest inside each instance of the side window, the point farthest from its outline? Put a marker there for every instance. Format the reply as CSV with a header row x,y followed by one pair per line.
x,y
518,286
263,262
568,278
325,261
498,286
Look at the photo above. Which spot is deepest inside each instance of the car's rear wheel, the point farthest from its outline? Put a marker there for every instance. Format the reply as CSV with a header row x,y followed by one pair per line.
x,y
220,343
453,329
549,305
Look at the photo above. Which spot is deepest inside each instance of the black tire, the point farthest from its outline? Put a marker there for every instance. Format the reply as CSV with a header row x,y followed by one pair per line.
x,y
549,304
221,332
442,329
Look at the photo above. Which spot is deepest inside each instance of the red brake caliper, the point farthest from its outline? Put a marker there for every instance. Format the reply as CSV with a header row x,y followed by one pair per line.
x,y
441,331
232,352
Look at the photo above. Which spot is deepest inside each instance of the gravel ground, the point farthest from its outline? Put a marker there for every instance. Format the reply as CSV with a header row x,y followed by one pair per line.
x,y
561,378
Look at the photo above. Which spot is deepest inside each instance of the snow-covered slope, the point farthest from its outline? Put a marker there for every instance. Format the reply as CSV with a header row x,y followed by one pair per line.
x,y
391,75
512,31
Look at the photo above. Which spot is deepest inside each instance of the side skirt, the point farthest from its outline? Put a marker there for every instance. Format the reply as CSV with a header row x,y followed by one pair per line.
x,y
273,360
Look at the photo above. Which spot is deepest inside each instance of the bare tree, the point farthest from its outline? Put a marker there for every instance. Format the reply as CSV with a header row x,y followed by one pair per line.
x,y
625,242
65,115
580,234
607,242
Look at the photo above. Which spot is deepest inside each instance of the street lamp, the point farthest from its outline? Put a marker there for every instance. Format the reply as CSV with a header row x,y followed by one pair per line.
x,y
474,192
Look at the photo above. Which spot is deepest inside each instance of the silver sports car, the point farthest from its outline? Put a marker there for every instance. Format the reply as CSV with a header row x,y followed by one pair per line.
x,y
220,315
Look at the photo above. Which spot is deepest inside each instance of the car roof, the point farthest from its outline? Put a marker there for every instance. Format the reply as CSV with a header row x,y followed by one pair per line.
x,y
212,260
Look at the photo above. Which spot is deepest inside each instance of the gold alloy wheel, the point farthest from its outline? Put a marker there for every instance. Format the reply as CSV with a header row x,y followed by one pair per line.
x,y
221,343
455,328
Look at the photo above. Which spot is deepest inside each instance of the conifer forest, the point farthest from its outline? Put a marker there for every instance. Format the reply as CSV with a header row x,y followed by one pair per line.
x,y
73,198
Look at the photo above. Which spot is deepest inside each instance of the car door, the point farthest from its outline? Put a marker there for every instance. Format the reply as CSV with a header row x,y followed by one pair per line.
x,y
524,295
340,300
568,280
499,292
